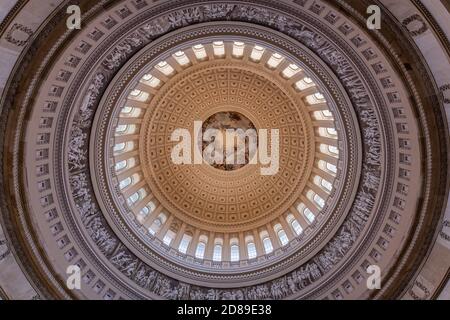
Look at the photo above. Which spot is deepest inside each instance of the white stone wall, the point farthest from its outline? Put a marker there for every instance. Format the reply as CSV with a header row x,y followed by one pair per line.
x,y
13,282
438,61
20,31
440,13
5,7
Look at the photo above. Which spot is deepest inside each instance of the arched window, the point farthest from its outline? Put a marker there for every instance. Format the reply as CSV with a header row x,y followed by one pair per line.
x,y
267,243
238,49
274,60
121,128
138,95
151,206
307,80
119,147
319,201
333,150
130,112
125,183
251,250
268,248
309,215
315,98
257,53
199,51
320,115
181,58
331,167
332,131
144,211
157,223
151,80
121,165
324,184
168,238
324,132
217,251
200,252
217,254
297,227
165,68
314,198
329,150
126,110
135,93
130,163
184,244
290,71
294,224
234,249
284,240
319,96
327,113
327,185
327,167
123,147
251,247
283,237
305,83
219,48
133,198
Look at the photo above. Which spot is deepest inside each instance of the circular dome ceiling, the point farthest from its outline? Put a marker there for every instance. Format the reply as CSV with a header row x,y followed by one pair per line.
x,y
118,182
224,222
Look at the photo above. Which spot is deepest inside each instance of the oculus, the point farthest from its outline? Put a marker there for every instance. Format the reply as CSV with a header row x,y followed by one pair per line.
x,y
225,145
236,153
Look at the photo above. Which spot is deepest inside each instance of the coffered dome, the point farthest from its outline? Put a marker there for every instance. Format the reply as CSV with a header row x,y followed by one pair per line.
x,y
105,151
213,204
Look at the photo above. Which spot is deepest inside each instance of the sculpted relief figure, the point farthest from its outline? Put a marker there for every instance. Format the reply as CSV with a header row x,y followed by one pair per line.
x,y
371,180
145,277
79,185
292,284
86,210
101,236
129,268
183,291
121,259
217,11
118,55
77,145
150,30
197,295
76,153
92,94
141,276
